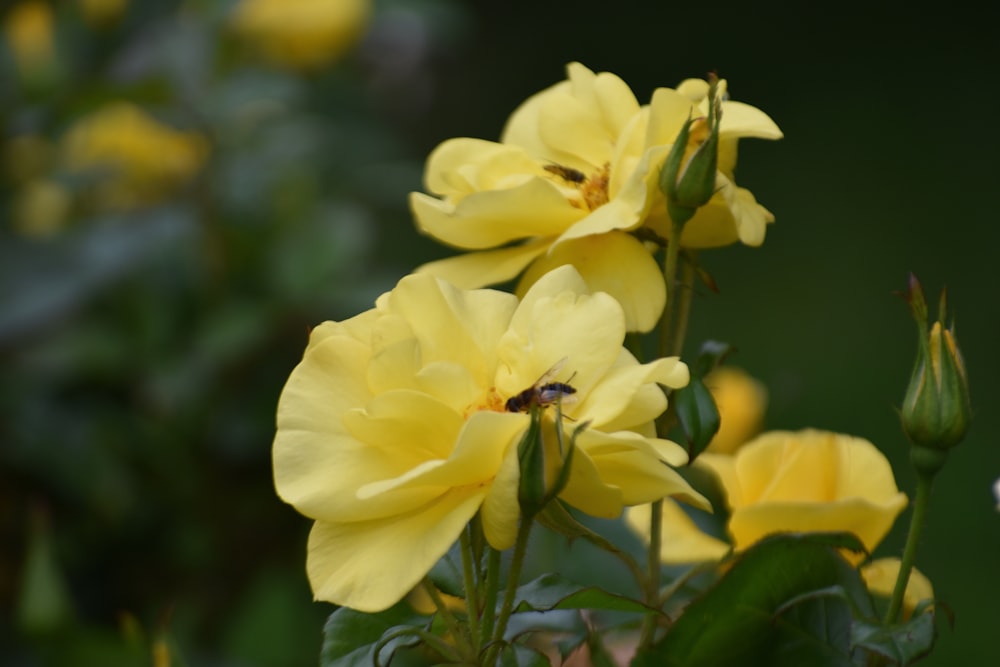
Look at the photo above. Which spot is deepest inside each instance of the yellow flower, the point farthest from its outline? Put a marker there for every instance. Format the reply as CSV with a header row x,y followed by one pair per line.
x,y
141,159
41,208
28,28
880,577
393,430
302,34
789,482
741,401
576,169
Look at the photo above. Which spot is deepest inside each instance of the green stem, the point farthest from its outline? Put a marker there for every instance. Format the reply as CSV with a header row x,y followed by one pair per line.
x,y
490,598
513,578
669,340
471,591
457,630
683,295
924,481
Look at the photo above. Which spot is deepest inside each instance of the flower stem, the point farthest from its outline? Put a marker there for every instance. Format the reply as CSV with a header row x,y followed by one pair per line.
x,y
513,578
924,481
471,591
672,331
490,598
457,629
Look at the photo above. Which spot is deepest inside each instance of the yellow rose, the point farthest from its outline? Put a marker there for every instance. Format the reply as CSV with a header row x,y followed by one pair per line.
x,y
577,168
880,577
788,482
741,401
139,159
302,34
394,430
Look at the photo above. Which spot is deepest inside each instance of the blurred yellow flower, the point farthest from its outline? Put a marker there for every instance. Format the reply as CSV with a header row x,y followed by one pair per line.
x,y
41,208
880,577
302,34
28,28
741,401
393,431
139,159
100,13
789,482
808,481
577,168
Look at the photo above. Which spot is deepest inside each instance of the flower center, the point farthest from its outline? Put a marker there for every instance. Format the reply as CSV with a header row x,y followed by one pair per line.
x,y
592,189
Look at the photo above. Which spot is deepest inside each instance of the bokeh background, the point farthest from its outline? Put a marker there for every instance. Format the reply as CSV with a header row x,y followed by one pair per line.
x,y
187,187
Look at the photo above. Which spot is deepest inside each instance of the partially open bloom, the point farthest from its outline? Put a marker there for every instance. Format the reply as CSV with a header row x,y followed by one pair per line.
x,y
135,158
805,481
576,169
880,578
302,34
397,426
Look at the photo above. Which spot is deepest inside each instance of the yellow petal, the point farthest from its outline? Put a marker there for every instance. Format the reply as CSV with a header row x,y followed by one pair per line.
x,y
487,267
615,263
869,521
668,111
880,577
370,565
742,120
681,540
741,401
501,511
317,464
550,332
627,396
459,167
536,207
453,325
572,128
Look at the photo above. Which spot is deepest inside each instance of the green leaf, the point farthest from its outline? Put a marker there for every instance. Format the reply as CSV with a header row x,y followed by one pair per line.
x,y
777,605
523,656
904,643
551,591
350,637
697,414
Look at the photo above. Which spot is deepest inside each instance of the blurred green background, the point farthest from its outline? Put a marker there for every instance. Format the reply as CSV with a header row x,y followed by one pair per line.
x,y
187,187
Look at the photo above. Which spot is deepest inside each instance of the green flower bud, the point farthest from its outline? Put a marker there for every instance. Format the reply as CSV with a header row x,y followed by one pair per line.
x,y
544,463
936,410
687,178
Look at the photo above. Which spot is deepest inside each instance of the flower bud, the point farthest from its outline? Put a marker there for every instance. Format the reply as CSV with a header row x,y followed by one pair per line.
x,y
544,463
936,411
688,175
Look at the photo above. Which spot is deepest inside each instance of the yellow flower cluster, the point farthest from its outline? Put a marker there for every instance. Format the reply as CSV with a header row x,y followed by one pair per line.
x,y
575,171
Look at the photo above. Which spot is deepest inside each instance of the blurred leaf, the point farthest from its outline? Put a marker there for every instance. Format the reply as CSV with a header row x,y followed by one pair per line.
x,y
551,591
40,282
747,619
350,637
904,644
447,573
517,655
44,604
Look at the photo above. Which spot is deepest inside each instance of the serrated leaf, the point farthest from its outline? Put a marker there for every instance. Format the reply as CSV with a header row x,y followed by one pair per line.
x,y
746,618
904,643
350,637
551,591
